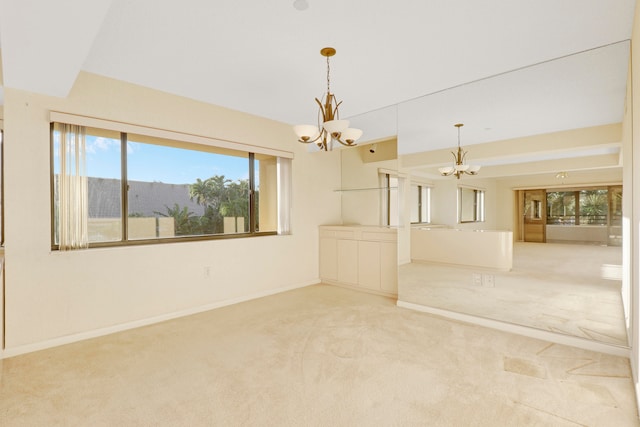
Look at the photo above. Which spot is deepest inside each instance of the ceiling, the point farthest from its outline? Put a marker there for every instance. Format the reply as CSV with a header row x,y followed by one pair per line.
x,y
403,67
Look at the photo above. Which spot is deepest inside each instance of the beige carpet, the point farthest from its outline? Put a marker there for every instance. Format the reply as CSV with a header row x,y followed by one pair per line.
x,y
554,287
318,356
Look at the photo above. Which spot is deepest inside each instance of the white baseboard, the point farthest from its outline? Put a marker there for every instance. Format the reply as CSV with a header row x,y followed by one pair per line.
x,y
636,384
68,339
523,330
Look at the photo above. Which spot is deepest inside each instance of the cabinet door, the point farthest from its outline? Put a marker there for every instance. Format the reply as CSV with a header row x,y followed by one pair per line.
x,y
389,267
369,265
328,258
348,261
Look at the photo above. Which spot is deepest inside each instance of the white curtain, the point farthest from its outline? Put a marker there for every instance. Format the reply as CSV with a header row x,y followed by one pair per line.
x,y
284,195
73,194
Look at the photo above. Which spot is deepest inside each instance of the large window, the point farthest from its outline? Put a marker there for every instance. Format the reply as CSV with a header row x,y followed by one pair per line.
x,y
593,206
420,204
145,189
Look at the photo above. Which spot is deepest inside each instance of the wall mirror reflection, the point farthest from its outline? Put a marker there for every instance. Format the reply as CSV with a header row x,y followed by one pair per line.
x,y
470,205
541,257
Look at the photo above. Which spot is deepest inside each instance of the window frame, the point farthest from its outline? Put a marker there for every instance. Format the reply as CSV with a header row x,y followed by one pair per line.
x,y
421,186
188,141
479,208
577,216
386,195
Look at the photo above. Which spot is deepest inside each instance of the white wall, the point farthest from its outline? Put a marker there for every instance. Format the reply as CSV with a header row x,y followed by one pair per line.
x,y
54,297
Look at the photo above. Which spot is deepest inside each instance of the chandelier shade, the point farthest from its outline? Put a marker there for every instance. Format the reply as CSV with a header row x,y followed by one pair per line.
x,y
306,131
335,126
459,167
329,128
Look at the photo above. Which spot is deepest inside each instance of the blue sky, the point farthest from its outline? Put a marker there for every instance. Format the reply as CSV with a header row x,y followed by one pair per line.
x,y
148,162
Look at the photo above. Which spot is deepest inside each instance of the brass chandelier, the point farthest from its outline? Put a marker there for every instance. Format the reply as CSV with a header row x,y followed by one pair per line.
x,y
459,168
329,127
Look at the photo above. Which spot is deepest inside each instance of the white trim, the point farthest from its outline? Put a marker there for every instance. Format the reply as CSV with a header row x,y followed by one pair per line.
x,y
471,187
571,186
523,330
68,339
392,172
56,116
422,182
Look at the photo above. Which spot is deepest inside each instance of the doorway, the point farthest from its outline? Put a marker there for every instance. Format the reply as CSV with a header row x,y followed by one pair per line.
x,y
534,215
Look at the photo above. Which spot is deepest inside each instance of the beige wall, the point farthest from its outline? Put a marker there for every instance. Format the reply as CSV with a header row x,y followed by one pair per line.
x,y
53,297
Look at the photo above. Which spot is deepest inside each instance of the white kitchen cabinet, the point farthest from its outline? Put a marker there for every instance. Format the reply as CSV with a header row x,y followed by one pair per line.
x,y
329,258
362,257
389,267
348,261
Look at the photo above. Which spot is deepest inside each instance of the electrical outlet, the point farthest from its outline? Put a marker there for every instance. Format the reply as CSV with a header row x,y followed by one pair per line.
x,y
207,272
488,280
476,279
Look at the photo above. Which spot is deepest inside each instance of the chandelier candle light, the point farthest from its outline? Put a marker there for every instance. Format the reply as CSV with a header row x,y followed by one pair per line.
x,y
331,127
459,168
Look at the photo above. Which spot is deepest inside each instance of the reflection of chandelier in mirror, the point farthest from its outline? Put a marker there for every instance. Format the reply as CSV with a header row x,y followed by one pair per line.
x,y
459,167
330,128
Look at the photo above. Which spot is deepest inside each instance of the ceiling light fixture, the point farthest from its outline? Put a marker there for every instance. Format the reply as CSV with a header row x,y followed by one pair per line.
x,y
459,167
562,175
329,127
301,4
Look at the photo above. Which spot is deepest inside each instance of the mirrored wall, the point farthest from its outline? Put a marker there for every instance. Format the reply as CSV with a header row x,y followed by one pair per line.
x,y
525,130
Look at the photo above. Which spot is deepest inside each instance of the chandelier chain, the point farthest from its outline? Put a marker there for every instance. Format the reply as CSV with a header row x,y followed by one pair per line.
x,y
328,69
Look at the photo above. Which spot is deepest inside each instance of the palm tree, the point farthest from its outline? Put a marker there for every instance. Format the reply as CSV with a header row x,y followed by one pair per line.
x,y
184,220
210,193
594,206
236,201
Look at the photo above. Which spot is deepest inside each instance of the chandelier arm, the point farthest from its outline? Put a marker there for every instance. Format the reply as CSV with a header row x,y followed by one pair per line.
x,y
323,144
337,138
309,141
324,118
336,114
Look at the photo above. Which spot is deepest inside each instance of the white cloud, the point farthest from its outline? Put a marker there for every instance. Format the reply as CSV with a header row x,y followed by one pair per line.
x,y
100,144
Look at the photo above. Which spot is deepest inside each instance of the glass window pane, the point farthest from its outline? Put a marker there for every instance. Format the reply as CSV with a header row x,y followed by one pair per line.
x,y
561,207
420,204
470,205
104,184
185,192
615,206
593,207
